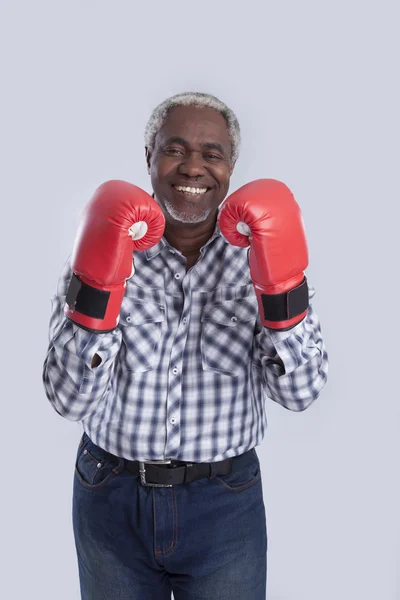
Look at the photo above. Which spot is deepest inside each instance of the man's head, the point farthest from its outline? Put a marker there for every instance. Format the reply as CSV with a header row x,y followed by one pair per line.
x,y
192,144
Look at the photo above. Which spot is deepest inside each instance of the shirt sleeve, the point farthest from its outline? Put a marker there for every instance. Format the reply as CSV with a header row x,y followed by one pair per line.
x,y
72,386
294,362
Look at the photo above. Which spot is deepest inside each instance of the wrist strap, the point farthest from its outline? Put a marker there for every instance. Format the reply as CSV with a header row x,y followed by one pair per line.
x,y
287,305
87,300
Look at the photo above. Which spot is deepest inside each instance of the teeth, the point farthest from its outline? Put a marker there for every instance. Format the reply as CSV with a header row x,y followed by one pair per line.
x,y
190,190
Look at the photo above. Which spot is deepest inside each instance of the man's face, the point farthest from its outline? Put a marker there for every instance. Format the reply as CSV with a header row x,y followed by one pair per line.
x,y
191,165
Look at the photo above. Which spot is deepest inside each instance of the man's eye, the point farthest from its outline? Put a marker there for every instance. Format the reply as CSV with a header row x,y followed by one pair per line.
x,y
213,157
173,151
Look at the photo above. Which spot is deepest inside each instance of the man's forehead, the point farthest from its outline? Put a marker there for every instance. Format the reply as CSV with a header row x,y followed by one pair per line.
x,y
184,121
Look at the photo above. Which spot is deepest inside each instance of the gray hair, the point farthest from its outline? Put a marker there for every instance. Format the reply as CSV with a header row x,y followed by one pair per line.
x,y
159,114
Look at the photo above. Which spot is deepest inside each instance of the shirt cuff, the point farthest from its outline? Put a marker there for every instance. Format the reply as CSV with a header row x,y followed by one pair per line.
x,y
279,336
87,344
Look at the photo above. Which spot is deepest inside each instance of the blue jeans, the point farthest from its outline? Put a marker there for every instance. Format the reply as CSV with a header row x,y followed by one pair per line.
x,y
202,540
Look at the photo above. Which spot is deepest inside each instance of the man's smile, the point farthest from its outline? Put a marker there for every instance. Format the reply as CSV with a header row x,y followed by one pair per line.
x,y
191,190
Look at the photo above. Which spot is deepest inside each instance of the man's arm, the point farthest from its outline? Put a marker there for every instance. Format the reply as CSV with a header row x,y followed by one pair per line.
x,y
119,219
79,363
294,362
264,215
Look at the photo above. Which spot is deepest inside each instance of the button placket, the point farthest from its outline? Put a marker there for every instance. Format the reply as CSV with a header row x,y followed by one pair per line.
x,y
175,380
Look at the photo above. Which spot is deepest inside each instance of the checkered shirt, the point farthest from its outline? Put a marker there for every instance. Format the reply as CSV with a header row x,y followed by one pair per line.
x,y
187,372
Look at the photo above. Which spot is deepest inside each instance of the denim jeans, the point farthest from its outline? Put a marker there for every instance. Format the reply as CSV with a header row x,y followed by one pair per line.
x,y
202,540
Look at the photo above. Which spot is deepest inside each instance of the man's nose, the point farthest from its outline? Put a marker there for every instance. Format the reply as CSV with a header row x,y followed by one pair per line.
x,y
192,165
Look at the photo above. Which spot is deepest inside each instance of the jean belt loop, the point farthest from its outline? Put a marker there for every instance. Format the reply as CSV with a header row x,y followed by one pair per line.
x,y
213,471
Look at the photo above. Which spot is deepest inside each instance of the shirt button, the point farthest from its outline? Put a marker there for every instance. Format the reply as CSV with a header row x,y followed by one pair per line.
x,y
233,319
175,371
184,320
172,251
172,420
177,276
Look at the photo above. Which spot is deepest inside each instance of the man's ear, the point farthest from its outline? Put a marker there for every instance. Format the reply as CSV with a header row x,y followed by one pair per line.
x,y
148,158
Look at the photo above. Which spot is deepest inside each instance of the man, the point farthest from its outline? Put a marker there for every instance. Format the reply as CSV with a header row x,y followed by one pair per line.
x,y
168,364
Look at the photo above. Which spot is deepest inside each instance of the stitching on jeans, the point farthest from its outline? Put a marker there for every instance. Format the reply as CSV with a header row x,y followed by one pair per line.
x,y
156,552
174,520
174,525
89,455
176,517
104,461
240,488
97,486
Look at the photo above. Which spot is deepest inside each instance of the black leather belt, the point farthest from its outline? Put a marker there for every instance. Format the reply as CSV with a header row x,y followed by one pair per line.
x,y
166,473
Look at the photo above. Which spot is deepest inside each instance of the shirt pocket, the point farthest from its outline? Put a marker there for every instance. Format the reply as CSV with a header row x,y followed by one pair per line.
x,y
141,325
227,334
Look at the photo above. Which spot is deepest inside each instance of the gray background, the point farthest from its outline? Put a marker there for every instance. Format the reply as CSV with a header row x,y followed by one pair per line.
x,y
314,85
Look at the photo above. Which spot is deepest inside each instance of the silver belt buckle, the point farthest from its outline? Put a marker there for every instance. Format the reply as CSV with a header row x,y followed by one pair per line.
x,y
142,471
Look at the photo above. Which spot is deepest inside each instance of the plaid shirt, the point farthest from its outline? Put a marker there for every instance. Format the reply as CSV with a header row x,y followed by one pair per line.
x,y
187,372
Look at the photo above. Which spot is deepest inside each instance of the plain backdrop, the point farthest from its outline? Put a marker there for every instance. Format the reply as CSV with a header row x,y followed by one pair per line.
x,y
315,86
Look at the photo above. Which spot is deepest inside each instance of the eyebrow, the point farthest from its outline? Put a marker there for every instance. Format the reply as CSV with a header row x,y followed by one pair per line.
x,y
208,145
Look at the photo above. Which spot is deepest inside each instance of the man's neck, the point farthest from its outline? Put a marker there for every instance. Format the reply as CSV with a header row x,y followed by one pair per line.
x,y
188,239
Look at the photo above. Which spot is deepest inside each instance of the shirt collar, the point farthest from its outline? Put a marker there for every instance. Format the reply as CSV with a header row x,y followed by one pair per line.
x,y
155,250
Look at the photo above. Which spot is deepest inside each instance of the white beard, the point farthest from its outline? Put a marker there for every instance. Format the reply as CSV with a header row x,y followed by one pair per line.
x,y
184,217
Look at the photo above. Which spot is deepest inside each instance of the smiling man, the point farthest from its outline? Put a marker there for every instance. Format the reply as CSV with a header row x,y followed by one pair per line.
x,y
176,316
190,159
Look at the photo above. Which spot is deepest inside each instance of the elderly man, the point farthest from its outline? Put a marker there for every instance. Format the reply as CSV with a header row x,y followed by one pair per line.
x,y
174,319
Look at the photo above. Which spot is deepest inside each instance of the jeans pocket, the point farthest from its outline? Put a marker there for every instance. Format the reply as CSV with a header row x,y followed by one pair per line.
x,y
245,473
95,467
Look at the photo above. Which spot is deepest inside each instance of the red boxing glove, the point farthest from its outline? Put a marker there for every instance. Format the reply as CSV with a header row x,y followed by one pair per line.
x,y
119,219
265,215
